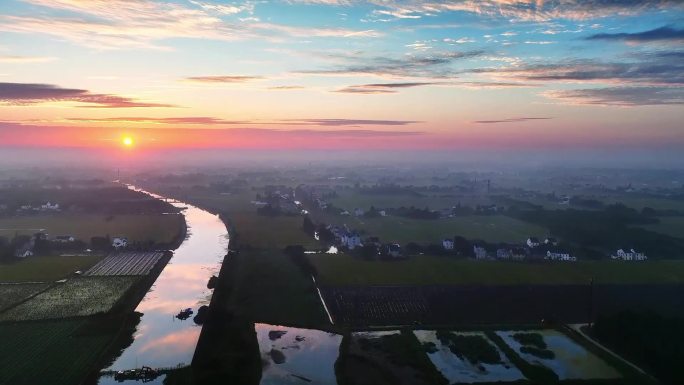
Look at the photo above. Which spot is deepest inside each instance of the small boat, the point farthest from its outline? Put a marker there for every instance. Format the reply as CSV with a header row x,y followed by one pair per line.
x,y
184,314
144,374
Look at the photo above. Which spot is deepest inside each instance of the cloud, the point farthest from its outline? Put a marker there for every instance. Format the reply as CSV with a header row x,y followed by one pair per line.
x,y
222,79
510,120
527,10
621,96
655,35
117,24
286,87
19,94
432,66
381,88
25,59
346,122
203,120
206,120
657,68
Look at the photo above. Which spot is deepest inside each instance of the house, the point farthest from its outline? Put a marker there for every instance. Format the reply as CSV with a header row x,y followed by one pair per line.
x,y
65,238
345,212
518,254
559,256
631,255
394,250
480,252
351,240
50,206
550,241
503,254
25,250
448,244
119,243
358,212
532,242
383,213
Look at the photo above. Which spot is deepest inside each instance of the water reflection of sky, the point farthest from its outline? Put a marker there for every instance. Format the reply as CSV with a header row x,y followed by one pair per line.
x,y
309,355
161,340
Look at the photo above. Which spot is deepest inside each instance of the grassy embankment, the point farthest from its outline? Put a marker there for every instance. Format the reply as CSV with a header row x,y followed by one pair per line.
x,y
340,269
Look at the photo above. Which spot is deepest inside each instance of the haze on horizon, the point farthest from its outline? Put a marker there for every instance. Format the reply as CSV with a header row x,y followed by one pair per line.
x,y
529,78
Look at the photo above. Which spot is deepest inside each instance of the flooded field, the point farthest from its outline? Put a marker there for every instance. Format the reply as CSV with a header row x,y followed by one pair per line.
x,y
460,370
297,356
570,361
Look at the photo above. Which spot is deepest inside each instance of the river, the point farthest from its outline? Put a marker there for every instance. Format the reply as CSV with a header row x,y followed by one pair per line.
x,y
161,340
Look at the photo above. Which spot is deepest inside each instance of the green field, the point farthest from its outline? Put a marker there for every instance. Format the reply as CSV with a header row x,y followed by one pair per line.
x,y
341,269
45,269
159,228
258,231
490,228
268,287
672,226
350,199
14,293
81,296
55,352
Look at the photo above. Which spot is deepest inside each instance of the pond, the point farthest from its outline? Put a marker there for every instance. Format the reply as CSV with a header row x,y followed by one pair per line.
x,y
297,356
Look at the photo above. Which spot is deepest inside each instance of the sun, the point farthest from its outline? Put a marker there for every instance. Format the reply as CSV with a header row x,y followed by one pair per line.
x,y
127,141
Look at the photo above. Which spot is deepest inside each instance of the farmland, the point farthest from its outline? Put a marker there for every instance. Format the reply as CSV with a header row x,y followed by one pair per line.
x,y
672,226
63,351
45,268
490,228
342,269
77,297
14,293
364,306
127,263
258,231
159,228
352,198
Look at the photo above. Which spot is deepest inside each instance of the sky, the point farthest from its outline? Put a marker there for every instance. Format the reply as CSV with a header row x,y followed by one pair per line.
x,y
343,74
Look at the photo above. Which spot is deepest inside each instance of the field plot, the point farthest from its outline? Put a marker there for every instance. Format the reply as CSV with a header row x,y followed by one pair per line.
x,y
568,359
45,268
159,228
11,294
459,365
376,305
672,226
127,263
295,356
395,358
77,297
53,352
490,228
350,199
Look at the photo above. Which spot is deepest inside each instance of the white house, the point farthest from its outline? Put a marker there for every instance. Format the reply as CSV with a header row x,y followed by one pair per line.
x,y
50,206
448,244
351,240
480,252
383,213
631,255
532,242
119,243
358,212
65,238
559,257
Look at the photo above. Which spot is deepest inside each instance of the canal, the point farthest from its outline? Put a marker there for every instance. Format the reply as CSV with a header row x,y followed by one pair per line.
x,y
162,340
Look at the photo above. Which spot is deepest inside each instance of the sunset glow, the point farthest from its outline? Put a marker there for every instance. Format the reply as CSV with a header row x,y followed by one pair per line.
x,y
341,74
